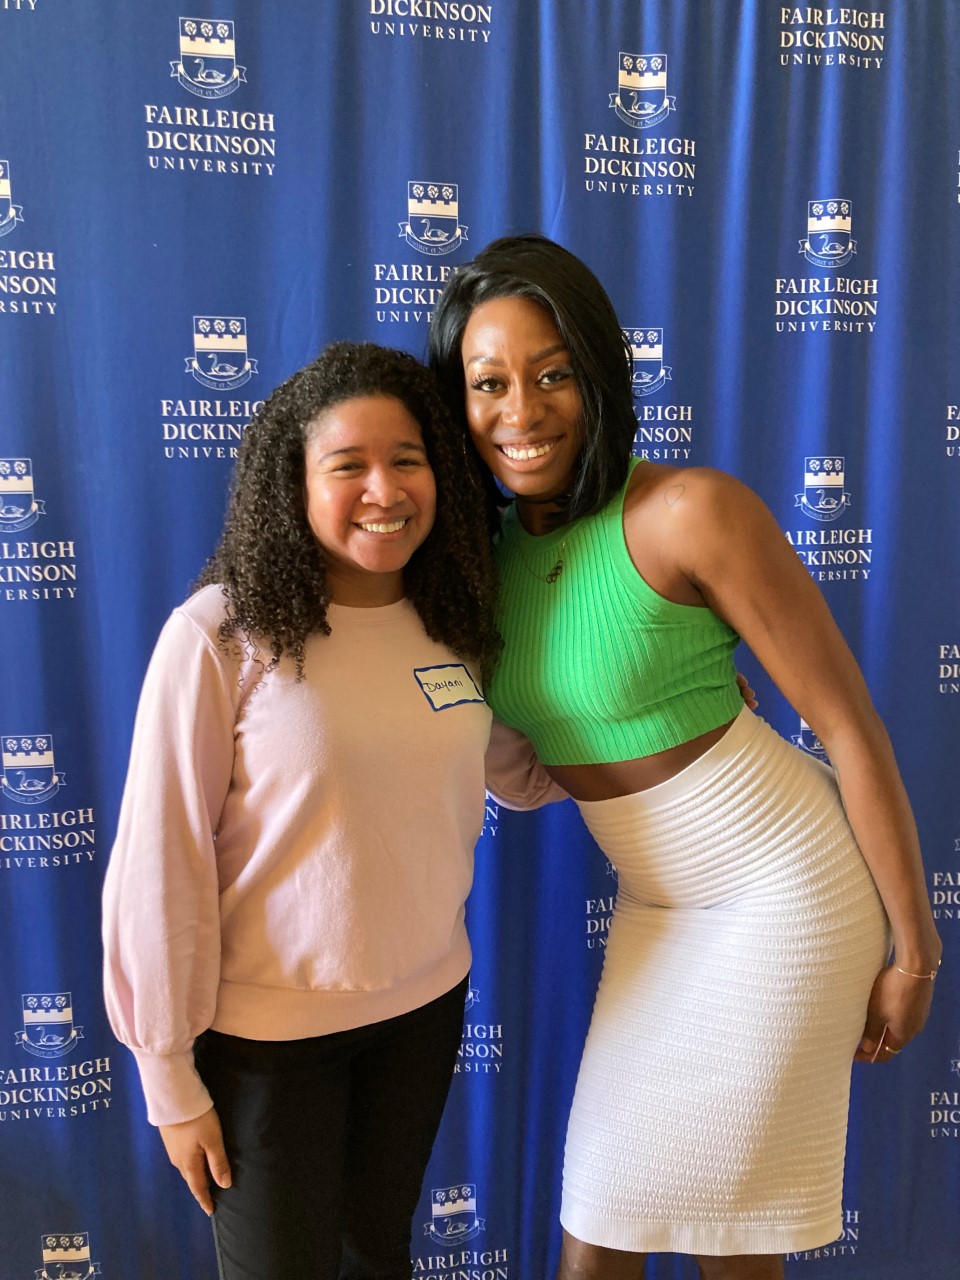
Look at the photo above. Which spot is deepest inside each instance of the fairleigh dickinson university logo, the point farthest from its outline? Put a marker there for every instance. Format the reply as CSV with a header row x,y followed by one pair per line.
x,y
50,1081
953,431
19,508
830,554
845,1245
649,371
824,497
211,138
67,1257
10,213
641,100
220,359
945,887
454,1214
811,36
207,65
481,1048
945,1106
48,1027
613,163
407,292
433,224
808,741
828,242
454,1223
833,303
439,21
29,770
28,282
664,431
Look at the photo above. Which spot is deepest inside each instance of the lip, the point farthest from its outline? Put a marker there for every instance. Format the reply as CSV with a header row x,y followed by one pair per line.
x,y
528,464
393,535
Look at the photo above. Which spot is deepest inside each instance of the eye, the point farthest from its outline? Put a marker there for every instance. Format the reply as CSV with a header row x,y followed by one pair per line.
x,y
550,377
411,461
488,383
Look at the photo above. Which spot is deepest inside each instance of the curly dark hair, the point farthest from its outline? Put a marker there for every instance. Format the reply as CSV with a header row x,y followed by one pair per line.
x,y
269,563
531,266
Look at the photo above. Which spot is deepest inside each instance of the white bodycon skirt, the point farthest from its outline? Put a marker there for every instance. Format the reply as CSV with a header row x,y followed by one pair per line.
x,y
711,1106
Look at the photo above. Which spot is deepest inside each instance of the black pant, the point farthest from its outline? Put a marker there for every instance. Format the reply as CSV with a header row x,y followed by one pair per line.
x,y
328,1141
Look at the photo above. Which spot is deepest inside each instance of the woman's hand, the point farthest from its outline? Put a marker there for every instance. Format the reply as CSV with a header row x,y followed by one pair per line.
x,y
746,693
896,1012
194,1147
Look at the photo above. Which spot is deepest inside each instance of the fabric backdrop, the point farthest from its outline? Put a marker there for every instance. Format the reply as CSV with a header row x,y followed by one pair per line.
x,y
193,201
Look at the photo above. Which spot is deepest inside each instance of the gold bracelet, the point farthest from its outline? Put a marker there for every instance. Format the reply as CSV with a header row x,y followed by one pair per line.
x,y
927,977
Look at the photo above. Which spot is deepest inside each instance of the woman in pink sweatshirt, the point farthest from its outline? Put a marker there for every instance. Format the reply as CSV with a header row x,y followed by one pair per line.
x,y
284,907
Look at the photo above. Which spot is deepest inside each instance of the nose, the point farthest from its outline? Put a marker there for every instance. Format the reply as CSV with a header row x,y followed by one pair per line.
x,y
521,409
382,488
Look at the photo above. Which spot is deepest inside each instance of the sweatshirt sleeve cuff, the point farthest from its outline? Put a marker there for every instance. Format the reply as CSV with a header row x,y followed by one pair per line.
x,y
172,1087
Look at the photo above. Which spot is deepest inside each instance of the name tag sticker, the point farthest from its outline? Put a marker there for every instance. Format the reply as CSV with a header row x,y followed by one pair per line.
x,y
447,686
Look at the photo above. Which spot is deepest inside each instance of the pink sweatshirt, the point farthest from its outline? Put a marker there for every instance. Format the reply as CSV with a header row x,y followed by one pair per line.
x,y
292,859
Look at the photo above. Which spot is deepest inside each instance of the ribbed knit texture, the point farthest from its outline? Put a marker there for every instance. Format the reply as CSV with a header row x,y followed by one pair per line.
x,y
711,1106
597,666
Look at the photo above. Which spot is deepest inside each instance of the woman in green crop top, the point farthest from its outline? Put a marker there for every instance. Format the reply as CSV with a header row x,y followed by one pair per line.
x,y
755,905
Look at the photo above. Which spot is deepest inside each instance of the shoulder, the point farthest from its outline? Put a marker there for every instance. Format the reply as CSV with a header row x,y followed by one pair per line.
x,y
687,496
201,616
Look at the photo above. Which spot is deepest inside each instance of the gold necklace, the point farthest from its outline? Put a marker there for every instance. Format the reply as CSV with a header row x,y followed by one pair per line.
x,y
557,569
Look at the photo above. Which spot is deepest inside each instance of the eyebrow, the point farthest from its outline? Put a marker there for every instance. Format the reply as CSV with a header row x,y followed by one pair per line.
x,y
358,448
534,359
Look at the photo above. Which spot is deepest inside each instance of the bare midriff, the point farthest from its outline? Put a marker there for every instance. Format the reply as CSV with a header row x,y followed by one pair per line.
x,y
625,777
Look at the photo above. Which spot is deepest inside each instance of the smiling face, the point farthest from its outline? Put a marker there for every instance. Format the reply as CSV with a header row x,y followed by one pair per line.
x,y
370,496
522,400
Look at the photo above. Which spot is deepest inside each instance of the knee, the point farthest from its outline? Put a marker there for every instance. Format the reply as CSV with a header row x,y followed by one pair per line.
x,y
741,1267
579,1261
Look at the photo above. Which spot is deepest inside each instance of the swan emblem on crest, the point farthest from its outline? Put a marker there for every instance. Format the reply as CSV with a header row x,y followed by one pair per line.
x,y
436,235
30,784
207,75
223,370
639,108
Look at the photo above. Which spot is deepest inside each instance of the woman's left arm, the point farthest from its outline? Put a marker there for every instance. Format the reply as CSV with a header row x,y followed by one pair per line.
x,y
728,545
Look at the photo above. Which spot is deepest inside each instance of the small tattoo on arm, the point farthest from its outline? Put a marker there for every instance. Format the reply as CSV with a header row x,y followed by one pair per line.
x,y
674,494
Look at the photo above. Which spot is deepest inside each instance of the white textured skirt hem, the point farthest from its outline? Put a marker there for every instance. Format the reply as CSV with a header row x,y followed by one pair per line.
x,y
711,1104
712,1240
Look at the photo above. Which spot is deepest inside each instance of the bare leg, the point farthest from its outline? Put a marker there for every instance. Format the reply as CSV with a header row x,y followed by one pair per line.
x,y
579,1261
742,1266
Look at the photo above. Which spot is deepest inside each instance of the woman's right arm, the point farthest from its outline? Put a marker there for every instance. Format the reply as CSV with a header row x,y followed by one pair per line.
x,y
161,926
515,777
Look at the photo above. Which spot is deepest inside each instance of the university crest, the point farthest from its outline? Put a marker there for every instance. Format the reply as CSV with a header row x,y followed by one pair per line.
x,y
649,371
641,100
828,242
67,1257
48,1030
220,359
824,497
433,218
10,213
29,770
454,1211
19,509
207,65
808,741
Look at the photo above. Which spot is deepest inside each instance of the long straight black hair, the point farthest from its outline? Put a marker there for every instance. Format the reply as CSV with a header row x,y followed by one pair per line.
x,y
531,266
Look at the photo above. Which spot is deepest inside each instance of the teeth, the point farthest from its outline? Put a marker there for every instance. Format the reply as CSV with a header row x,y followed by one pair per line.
x,y
392,527
521,455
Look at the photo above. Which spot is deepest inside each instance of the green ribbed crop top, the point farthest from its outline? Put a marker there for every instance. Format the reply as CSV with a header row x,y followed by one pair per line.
x,y
597,666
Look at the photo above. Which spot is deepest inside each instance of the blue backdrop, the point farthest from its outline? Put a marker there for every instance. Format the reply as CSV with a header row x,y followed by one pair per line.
x,y
190,207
